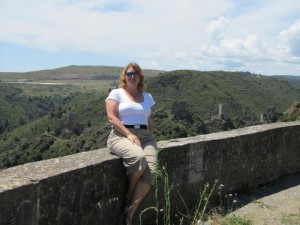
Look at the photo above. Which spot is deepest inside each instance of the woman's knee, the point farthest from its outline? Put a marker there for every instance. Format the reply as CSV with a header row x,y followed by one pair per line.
x,y
136,161
138,155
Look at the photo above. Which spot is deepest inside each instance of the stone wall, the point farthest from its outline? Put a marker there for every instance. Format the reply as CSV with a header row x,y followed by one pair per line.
x,y
89,188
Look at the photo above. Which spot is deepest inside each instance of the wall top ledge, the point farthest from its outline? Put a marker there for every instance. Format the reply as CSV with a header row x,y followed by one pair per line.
x,y
226,134
32,173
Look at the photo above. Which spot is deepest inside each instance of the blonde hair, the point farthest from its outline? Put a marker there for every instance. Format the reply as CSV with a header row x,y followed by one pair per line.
x,y
137,69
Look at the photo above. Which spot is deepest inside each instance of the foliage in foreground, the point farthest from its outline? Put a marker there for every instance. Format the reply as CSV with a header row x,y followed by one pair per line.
x,y
204,212
236,220
289,118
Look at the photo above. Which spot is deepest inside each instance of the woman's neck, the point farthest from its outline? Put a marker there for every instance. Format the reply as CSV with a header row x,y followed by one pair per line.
x,y
134,94
132,90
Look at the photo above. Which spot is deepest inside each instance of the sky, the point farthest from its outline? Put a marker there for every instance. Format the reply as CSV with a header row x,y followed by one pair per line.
x,y
259,36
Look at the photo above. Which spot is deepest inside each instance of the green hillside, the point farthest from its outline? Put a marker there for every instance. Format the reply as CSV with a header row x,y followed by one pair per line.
x,y
186,103
293,80
200,94
78,126
19,108
204,91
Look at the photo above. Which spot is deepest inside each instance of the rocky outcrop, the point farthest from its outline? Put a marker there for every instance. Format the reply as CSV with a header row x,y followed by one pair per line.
x,y
180,111
295,109
71,127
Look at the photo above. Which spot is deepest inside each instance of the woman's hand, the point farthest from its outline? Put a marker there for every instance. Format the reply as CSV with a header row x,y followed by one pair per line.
x,y
134,139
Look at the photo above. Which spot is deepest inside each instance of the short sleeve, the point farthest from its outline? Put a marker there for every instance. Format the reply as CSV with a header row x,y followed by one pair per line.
x,y
151,100
114,95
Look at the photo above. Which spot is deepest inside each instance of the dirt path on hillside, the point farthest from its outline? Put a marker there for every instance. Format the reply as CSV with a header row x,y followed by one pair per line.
x,y
275,203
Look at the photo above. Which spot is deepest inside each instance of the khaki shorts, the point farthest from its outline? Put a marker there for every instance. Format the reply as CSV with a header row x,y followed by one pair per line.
x,y
134,157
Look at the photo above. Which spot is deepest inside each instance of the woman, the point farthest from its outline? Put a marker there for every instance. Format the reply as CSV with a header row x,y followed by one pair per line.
x,y
129,112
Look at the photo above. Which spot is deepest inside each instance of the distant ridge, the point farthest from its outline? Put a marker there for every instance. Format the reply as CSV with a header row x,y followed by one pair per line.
x,y
71,72
293,80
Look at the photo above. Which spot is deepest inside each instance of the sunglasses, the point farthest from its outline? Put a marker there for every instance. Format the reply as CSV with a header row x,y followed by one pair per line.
x,y
134,74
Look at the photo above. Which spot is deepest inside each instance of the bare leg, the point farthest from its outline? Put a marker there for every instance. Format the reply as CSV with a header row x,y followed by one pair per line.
x,y
140,191
133,179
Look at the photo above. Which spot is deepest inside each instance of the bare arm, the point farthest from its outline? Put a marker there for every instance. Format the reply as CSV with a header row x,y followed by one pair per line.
x,y
112,115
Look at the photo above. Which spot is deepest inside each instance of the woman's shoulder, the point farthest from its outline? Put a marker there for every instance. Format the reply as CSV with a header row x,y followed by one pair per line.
x,y
118,91
116,94
145,93
148,97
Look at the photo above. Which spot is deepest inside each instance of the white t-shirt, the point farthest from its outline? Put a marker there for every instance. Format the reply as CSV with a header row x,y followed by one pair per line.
x,y
131,112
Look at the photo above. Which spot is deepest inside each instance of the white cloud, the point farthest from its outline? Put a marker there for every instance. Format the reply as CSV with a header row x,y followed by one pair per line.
x,y
250,46
52,25
291,38
170,34
217,25
150,65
